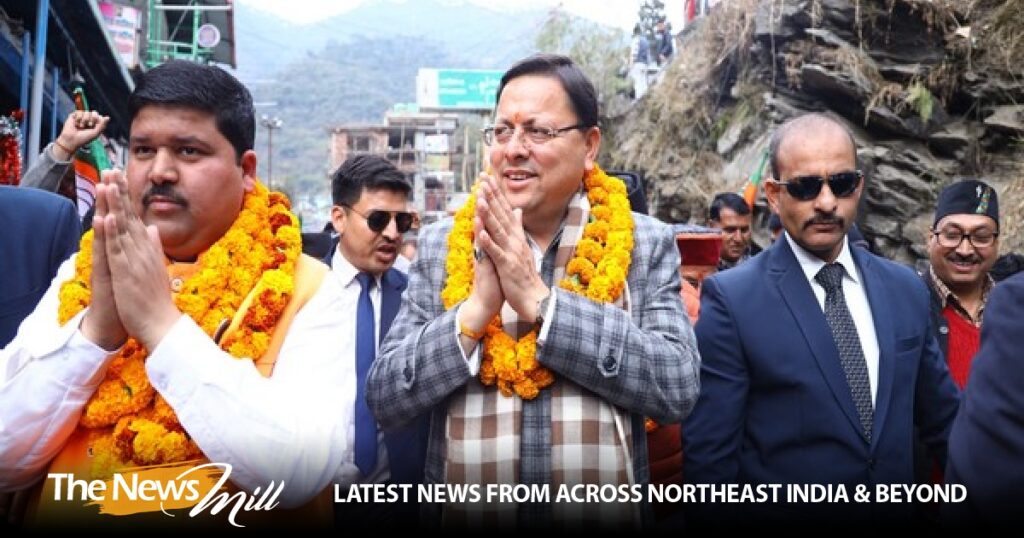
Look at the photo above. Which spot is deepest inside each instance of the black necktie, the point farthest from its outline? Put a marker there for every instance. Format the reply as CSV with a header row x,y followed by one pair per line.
x,y
844,332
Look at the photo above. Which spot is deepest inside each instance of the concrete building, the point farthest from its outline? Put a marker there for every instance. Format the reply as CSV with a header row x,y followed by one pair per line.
x,y
429,147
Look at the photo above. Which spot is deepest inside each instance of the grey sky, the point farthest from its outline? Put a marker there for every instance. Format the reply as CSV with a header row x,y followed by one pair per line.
x,y
618,13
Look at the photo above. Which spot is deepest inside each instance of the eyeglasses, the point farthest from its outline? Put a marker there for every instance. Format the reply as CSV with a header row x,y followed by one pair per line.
x,y
841,184
379,219
502,134
952,236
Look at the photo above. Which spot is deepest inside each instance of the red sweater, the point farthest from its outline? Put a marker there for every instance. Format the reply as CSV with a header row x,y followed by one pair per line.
x,y
964,339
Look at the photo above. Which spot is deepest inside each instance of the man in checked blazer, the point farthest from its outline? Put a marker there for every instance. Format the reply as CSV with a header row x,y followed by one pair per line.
x,y
612,367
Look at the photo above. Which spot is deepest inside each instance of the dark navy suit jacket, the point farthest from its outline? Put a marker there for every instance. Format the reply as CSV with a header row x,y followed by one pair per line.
x,y
986,446
407,446
775,407
38,231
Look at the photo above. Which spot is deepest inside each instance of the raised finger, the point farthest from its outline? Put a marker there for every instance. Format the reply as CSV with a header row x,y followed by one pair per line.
x,y
99,247
502,207
118,179
492,223
115,208
114,250
101,200
482,177
486,243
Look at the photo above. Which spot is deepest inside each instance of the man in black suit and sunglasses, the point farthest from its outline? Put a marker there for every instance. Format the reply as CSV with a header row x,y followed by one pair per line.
x,y
371,214
818,359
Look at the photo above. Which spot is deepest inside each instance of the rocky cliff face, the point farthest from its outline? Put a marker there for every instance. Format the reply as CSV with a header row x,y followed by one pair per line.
x,y
932,89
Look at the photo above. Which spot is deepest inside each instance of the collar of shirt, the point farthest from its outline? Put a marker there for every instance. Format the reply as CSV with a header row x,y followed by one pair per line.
x,y
811,264
855,296
947,297
345,272
538,256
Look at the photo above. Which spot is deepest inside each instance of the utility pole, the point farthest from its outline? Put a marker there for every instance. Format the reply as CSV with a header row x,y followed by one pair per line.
x,y
271,123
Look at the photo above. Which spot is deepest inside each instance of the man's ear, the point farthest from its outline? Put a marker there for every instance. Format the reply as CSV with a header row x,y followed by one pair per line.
x,y
248,163
771,192
339,218
592,139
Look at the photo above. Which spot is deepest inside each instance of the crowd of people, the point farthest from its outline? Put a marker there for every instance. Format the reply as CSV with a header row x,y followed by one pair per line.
x,y
544,336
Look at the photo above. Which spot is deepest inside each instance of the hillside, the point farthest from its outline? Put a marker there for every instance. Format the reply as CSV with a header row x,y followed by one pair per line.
x,y
478,36
930,88
356,66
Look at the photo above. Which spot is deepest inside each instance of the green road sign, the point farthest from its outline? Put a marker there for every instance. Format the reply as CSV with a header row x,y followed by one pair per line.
x,y
457,88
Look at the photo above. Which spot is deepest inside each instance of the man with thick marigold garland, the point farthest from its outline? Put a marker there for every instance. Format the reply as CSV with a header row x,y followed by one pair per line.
x,y
189,328
543,323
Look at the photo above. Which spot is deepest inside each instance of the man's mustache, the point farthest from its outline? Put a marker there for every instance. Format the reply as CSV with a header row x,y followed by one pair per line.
x,y
957,257
831,218
386,241
163,190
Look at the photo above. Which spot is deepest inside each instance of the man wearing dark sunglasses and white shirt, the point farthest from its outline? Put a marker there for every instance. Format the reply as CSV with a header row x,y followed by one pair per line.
x,y
818,358
370,214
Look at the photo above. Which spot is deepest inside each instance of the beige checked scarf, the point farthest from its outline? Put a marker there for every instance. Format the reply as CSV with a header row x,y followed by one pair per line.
x,y
591,440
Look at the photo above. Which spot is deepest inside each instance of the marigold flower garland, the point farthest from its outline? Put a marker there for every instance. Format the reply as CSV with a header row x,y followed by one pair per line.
x,y
597,271
257,255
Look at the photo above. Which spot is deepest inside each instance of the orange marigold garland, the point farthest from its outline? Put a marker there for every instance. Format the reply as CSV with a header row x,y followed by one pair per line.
x,y
256,256
597,270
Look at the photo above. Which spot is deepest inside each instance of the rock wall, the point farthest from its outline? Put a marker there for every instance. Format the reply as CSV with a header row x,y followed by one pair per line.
x,y
933,90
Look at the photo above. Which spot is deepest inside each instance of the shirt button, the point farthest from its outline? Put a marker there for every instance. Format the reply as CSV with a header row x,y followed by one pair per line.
x,y
176,284
943,330
609,364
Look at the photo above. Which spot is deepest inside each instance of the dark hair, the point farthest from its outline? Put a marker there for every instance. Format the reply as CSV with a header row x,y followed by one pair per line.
x,y
729,200
365,172
1006,266
806,121
207,88
580,90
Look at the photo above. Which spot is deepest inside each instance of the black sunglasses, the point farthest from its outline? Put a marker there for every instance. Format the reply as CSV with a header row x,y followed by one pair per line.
x,y
378,219
842,184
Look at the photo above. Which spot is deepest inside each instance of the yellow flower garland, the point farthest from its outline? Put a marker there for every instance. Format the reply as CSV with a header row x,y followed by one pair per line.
x,y
258,253
597,271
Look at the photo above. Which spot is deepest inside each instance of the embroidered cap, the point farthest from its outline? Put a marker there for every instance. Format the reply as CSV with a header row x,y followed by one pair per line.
x,y
969,196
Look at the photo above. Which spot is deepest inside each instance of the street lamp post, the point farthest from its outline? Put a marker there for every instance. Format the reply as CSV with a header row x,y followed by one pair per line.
x,y
271,123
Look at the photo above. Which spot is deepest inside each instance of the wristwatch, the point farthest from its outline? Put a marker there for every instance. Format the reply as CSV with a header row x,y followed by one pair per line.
x,y
542,309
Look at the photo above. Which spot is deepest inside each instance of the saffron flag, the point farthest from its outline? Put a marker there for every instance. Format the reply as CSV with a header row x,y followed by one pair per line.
x,y
89,161
749,192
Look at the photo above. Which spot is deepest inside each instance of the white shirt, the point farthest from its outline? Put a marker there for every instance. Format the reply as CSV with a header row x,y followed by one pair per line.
x,y
346,304
856,301
293,426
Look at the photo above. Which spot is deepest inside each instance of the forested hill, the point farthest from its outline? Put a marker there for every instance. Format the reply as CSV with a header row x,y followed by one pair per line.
x,y
355,66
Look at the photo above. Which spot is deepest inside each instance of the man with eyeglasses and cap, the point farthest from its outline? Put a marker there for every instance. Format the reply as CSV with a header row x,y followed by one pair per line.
x,y
818,359
963,244
371,214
